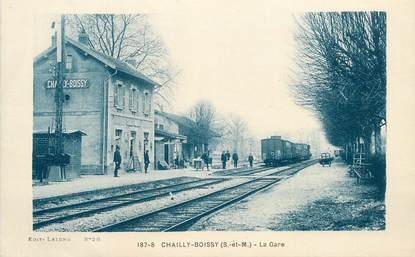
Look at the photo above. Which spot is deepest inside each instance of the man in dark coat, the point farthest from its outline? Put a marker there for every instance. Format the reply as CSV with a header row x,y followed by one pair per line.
x,y
223,159
177,162
228,155
205,158
117,160
250,160
146,161
235,159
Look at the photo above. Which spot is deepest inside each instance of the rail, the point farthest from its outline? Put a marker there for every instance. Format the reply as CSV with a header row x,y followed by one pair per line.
x,y
180,216
49,216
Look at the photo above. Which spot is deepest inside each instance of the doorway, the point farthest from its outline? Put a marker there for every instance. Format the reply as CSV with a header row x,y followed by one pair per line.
x,y
166,153
132,143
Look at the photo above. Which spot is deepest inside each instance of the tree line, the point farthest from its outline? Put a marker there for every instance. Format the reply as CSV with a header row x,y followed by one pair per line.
x,y
223,131
342,72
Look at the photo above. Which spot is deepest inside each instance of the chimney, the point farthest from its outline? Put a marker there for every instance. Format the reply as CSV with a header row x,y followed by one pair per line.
x,y
131,61
83,37
53,37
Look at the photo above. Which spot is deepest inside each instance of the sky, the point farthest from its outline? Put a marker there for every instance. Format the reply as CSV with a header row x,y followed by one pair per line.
x,y
241,61
239,58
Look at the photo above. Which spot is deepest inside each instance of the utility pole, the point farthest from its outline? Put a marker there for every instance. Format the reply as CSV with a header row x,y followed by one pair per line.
x,y
60,53
60,158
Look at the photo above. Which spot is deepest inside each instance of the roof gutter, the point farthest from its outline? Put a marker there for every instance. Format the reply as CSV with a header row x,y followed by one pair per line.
x,y
104,124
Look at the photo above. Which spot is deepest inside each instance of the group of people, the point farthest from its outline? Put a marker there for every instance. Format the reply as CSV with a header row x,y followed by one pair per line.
x,y
117,160
225,157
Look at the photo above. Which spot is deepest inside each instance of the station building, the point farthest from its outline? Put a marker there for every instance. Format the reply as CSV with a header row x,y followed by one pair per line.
x,y
168,142
106,99
175,136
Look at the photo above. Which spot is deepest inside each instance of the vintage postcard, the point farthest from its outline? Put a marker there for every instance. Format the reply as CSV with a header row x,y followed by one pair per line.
x,y
207,128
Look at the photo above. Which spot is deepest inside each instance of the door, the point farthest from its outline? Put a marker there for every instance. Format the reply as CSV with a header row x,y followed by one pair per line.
x,y
166,153
132,143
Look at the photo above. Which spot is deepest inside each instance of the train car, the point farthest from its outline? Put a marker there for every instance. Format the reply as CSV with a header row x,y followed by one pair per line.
x,y
272,150
298,151
288,151
276,151
304,152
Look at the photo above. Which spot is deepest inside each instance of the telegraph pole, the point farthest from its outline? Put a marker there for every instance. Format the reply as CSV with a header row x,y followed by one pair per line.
x,y
60,54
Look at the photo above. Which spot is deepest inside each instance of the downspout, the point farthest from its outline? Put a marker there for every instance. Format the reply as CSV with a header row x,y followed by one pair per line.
x,y
104,125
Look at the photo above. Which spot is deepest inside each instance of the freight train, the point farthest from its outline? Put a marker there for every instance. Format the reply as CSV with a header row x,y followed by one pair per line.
x,y
276,151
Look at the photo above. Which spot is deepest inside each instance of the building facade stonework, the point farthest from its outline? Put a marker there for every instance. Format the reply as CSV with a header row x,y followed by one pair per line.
x,y
107,99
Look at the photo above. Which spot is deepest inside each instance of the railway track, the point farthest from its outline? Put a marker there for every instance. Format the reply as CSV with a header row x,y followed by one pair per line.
x,y
248,172
51,201
49,216
293,169
230,171
179,217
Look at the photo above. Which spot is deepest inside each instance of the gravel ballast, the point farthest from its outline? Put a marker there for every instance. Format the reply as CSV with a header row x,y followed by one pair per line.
x,y
108,217
316,198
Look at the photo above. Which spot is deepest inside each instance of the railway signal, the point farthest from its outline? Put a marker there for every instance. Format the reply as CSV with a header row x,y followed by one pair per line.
x,y
59,159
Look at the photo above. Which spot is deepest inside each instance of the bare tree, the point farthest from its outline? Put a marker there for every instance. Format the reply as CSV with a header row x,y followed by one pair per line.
x,y
129,38
206,121
236,133
342,61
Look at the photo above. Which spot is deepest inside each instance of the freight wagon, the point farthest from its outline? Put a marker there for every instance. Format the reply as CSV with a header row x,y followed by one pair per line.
x,y
276,151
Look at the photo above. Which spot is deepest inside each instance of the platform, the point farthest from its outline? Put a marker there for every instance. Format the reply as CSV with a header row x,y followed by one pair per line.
x,y
95,182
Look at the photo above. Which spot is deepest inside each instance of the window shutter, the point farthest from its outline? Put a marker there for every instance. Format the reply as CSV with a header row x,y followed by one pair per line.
x,y
116,95
147,103
137,100
143,102
69,62
124,95
130,102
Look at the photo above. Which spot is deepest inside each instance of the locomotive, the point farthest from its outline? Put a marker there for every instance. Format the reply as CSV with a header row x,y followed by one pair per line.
x,y
276,151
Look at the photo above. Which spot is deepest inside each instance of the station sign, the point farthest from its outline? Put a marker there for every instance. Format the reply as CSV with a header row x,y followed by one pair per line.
x,y
68,83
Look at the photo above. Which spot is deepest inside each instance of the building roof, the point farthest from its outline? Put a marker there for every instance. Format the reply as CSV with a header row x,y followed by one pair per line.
x,y
105,59
166,134
181,120
66,132
184,121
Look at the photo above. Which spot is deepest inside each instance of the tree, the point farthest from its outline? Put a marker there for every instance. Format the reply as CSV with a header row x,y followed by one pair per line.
x,y
236,133
205,117
342,63
129,38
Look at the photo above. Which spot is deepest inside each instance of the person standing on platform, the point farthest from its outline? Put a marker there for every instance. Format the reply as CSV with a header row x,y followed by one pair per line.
x,y
223,158
250,160
228,156
146,161
117,160
205,158
235,159
208,159
176,162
